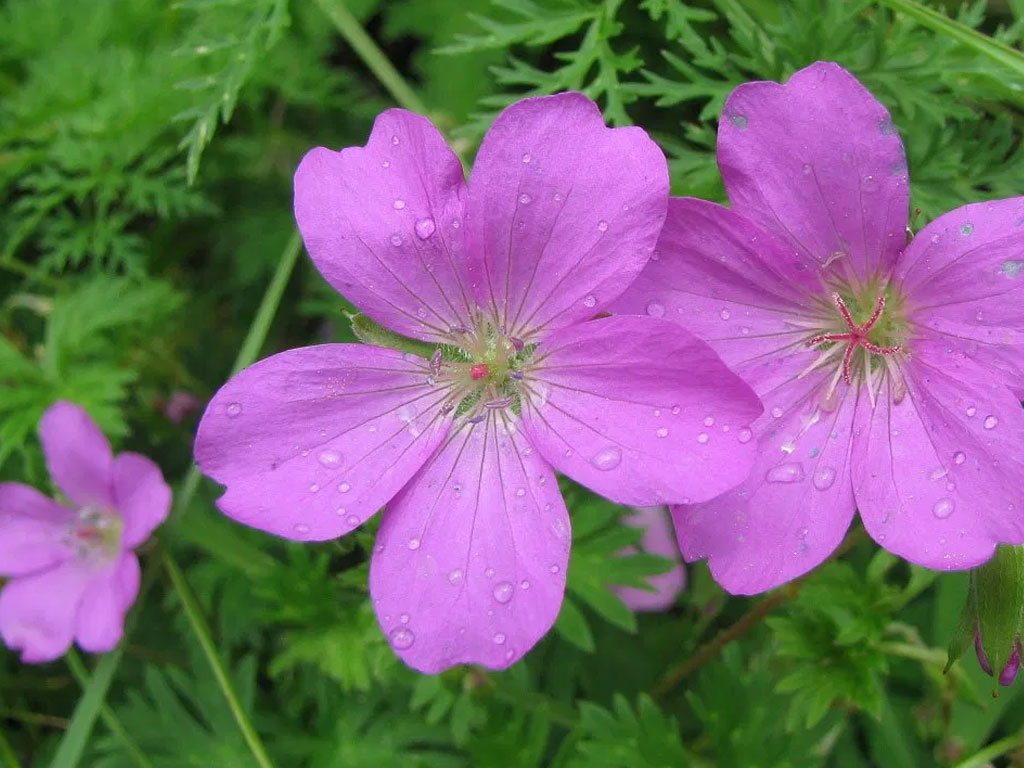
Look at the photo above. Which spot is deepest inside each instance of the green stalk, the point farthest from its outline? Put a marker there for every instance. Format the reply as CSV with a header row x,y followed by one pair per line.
x,y
941,23
371,54
990,753
110,720
86,711
10,760
202,631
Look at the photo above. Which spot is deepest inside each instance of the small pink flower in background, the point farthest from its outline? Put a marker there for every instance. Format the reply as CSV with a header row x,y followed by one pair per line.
x,y
560,215
180,404
658,539
890,373
73,574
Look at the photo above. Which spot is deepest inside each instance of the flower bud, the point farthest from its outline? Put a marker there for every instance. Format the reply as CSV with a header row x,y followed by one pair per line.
x,y
1009,673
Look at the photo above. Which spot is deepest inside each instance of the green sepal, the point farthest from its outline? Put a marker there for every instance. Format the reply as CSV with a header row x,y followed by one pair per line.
x,y
999,594
963,635
369,332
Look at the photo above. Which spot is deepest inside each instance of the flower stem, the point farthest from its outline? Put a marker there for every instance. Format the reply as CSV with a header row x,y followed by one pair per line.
x,y
110,720
371,54
10,760
202,632
992,751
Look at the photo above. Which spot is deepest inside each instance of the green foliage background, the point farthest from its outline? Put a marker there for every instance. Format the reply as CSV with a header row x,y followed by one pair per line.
x,y
146,153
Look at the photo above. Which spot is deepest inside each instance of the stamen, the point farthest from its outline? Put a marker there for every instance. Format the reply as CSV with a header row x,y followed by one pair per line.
x,y
847,317
879,306
857,336
504,402
479,371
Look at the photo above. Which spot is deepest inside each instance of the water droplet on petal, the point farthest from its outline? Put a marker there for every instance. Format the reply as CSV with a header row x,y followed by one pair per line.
x,y
524,584
724,314
489,573
1013,267
607,458
329,458
703,438
589,301
991,422
233,409
655,309
524,199
554,569
503,591
402,638
396,240
790,472
777,412
662,432
385,164
455,576
395,140
404,618
602,225
425,228
740,121
526,157
824,477
499,638
344,487
352,520
971,410
399,204
744,435
520,492
301,528
414,544
943,508
959,457
709,421
966,228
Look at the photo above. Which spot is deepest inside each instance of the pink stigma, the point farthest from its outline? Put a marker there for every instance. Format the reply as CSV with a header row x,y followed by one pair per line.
x,y
479,371
857,336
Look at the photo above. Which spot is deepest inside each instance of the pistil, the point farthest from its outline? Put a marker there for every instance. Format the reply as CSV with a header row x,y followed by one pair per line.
x,y
857,335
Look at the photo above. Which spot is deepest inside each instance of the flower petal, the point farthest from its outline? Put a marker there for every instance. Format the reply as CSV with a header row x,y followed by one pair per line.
x,y
140,495
311,442
563,212
640,411
658,539
796,505
110,593
963,275
383,225
938,475
33,530
37,612
733,285
77,454
818,163
470,560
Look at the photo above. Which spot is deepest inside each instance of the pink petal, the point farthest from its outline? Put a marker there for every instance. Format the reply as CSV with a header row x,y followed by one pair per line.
x,y
796,506
471,556
938,475
311,442
658,539
77,454
140,495
818,163
563,212
37,612
732,285
640,411
964,278
33,531
383,224
110,593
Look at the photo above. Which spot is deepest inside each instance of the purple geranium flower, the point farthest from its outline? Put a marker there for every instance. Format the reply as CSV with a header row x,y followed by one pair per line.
x,y
498,280
658,539
890,372
73,574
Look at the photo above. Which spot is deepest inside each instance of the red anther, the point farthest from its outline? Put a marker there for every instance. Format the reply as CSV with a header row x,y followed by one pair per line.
x,y
480,371
858,335
87,534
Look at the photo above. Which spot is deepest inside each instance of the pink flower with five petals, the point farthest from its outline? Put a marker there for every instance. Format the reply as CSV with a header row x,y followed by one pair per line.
x,y
498,280
890,372
73,573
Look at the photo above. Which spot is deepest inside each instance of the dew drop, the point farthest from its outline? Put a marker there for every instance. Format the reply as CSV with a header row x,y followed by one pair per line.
x,y
744,435
966,229
806,168
301,528
662,432
344,487
655,309
607,458
404,618
526,157
589,301
675,410
414,544
395,140
959,457
709,421
554,569
425,228
455,576
314,488
352,520
396,240
402,638
702,438
520,492
724,314
524,199
971,410
503,591
777,412
943,508
602,225
790,472
938,473
489,573
824,477
991,422
233,409
385,164
330,458
399,204
1012,268
499,638
524,584
740,121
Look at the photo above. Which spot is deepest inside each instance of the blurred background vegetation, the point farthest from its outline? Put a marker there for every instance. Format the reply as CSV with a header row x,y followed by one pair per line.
x,y
146,233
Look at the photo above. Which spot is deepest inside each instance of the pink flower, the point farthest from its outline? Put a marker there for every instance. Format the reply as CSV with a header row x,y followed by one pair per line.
x,y
890,372
180,404
73,574
658,539
560,215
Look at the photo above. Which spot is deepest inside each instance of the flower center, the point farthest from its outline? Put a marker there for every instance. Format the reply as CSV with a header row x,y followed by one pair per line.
x,y
872,321
95,534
